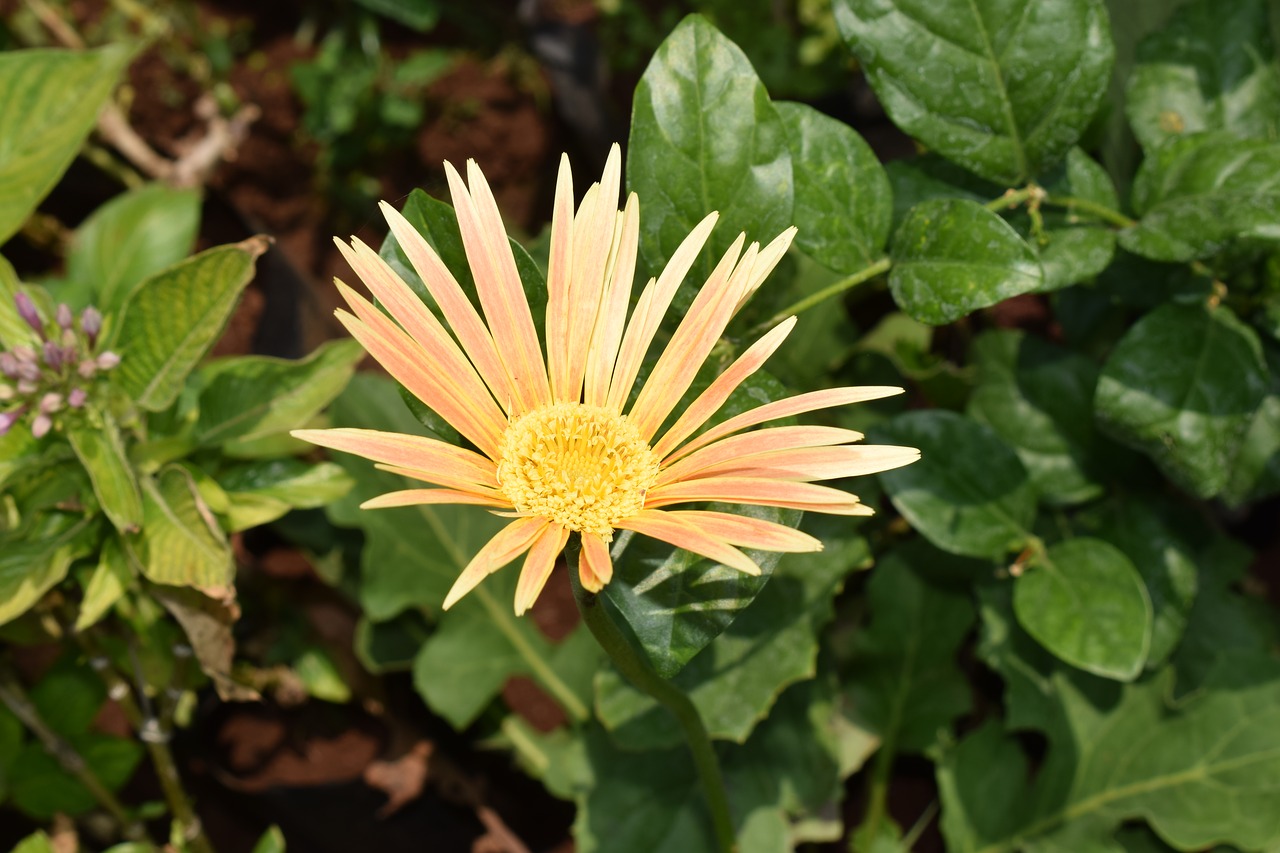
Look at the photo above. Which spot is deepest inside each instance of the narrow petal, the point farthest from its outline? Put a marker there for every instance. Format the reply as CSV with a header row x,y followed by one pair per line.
x,y
498,285
760,492
538,564
611,318
418,497
595,566
411,367
682,534
785,408
509,543
710,400
765,263
408,451
814,463
440,478
749,444
692,341
559,278
457,309
750,532
650,310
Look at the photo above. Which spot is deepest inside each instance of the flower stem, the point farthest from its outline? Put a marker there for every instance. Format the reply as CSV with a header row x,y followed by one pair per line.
x,y
641,674
834,289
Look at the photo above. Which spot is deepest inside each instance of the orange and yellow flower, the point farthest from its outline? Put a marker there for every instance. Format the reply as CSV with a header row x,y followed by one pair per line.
x,y
557,448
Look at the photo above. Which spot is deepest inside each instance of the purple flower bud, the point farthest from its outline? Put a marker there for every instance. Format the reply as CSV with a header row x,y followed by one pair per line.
x,y
64,315
87,368
8,419
26,387
77,398
41,425
52,354
27,311
68,339
91,323
50,403
9,364
108,360
28,371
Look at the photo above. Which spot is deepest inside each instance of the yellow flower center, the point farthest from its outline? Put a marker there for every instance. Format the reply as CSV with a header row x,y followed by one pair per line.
x,y
584,467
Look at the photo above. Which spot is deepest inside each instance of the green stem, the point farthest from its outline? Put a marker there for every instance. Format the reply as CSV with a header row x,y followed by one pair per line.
x,y
639,673
15,698
834,289
1083,205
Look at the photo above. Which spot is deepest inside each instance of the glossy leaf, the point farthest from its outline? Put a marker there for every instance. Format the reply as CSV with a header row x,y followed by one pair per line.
x,y
1213,67
1196,195
705,137
181,540
130,238
173,318
952,256
1256,473
1076,245
50,100
1084,601
969,494
259,492
843,201
1182,386
101,452
1039,398
250,397
1002,88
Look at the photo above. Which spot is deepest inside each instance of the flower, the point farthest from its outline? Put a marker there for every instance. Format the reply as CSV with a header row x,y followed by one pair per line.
x,y
557,447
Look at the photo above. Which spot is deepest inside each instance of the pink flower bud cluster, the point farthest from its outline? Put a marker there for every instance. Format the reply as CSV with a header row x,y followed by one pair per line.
x,y
42,383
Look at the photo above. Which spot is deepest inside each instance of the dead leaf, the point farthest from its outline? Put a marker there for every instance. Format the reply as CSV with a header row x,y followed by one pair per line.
x,y
207,624
403,779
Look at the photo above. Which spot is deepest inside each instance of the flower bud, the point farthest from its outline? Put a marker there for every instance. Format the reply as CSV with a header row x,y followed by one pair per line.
x,y
108,360
52,354
9,364
91,323
50,402
64,315
41,425
8,419
87,368
77,398
27,387
27,311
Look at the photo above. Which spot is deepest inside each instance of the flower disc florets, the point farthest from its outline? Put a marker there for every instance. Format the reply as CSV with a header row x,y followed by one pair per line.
x,y
584,467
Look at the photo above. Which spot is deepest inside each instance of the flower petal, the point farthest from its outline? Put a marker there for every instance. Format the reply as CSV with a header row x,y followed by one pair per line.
x,y
750,532
559,280
765,263
510,542
498,285
538,564
611,318
785,408
439,478
760,492
595,566
480,421
409,451
710,400
457,309
693,340
649,311
682,534
418,497
813,463
749,444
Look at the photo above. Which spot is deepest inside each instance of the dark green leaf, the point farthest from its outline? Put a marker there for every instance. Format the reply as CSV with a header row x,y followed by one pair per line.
x,y
1182,386
173,318
1256,472
1213,67
952,256
843,201
1075,247
41,788
50,102
969,493
421,15
1002,88
1085,602
705,137
390,646
1197,194
135,235
260,492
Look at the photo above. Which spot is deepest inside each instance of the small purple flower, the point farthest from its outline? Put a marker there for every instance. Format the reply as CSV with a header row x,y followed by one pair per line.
x,y
8,419
50,403
108,360
64,316
27,311
77,398
91,323
41,425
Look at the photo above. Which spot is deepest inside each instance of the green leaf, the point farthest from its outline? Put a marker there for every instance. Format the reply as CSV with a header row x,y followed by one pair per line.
x,y
41,788
1002,88
320,676
101,452
705,137
50,101
969,494
953,256
250,397
35,843
903,681
1212,67
14,331
1039,398
1182,386
735,680
107,585
132,237
31,566
1197,194
1075,246
181,541
420,15
173,318
1256,472
260,492
1085,602
843,202
390,646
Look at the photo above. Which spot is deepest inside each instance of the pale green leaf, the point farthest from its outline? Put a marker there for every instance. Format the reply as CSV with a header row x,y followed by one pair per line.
x,y
182,544
101,451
